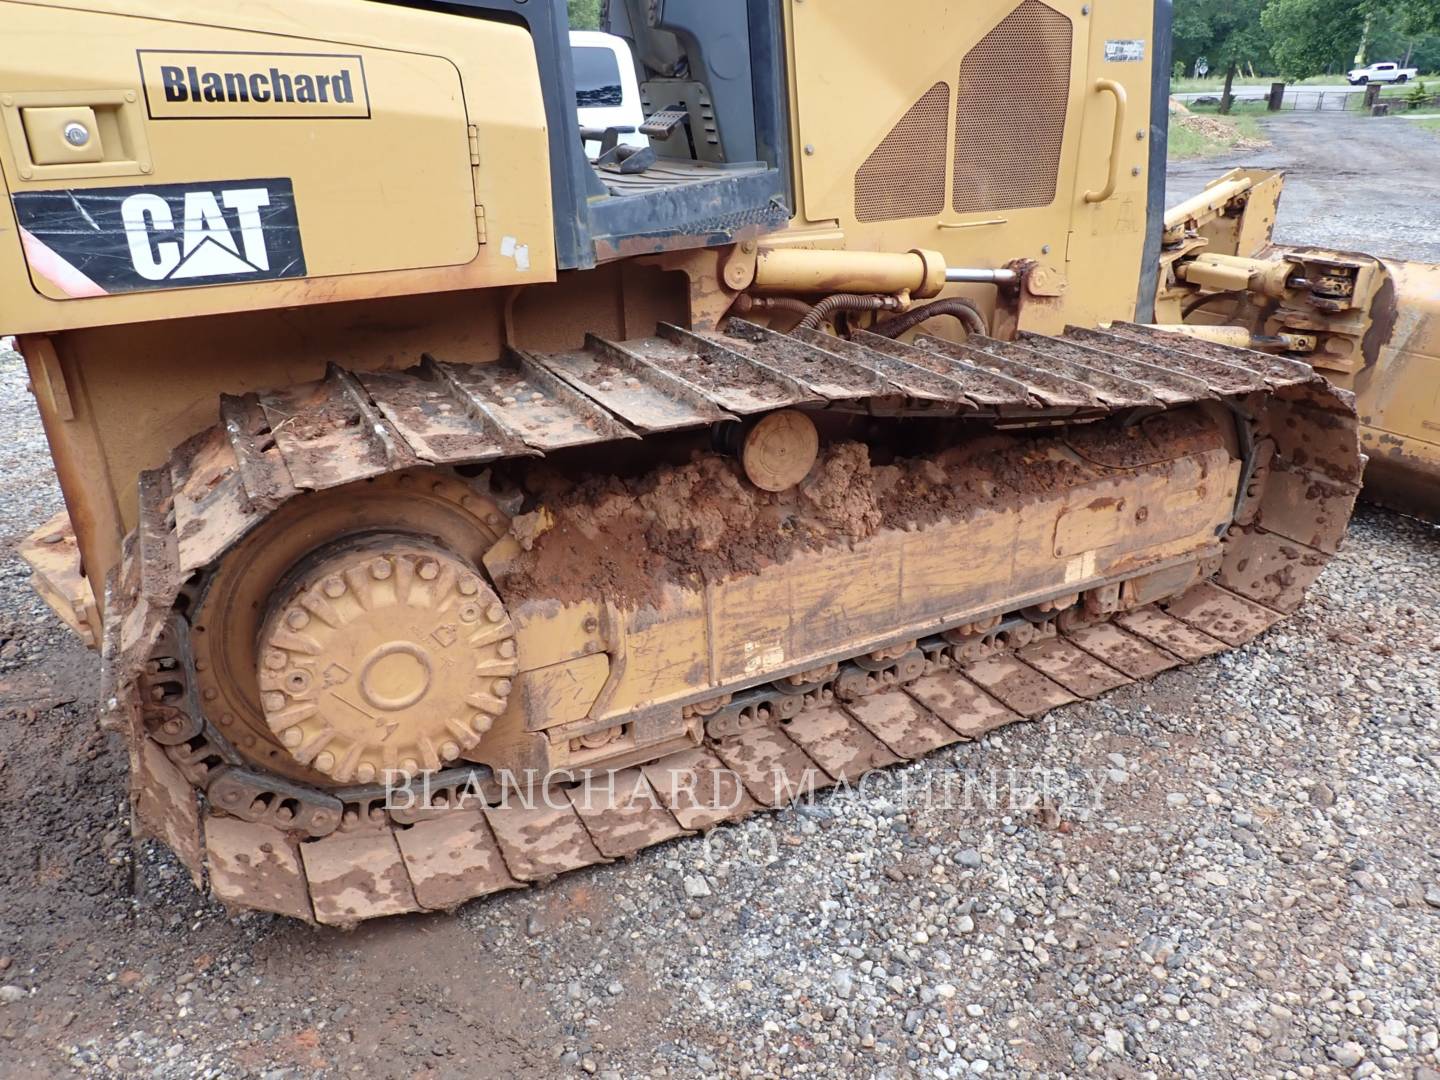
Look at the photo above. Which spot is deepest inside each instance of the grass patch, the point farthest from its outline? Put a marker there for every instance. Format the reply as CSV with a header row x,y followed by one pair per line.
x,y
1208,136
1432,125
1238,107
1215,85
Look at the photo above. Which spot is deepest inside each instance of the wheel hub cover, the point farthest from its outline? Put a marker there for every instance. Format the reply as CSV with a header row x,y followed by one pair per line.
x,y
385,660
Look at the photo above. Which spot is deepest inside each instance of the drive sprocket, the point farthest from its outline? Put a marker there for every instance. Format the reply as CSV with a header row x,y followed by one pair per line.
x,y
440,513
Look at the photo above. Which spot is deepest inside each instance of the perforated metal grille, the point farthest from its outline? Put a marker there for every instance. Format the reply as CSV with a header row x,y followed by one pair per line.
x,y
905,175
1010,112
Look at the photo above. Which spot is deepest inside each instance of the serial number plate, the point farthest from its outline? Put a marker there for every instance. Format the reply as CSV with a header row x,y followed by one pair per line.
x,y
1124,50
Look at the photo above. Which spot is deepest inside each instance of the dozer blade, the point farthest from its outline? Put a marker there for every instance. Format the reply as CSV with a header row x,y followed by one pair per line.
x,y
1094,509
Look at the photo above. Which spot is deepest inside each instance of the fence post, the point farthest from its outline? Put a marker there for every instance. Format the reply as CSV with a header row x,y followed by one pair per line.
x,y
1277,96
1372,94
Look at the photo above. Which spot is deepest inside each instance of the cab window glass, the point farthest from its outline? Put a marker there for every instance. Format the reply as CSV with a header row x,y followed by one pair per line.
x,y
597,77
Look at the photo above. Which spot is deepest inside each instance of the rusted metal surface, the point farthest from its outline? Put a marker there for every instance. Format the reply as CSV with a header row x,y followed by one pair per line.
x,y
211,509
1072,667
835,741
897,720
826,374
263,472
453,858
440,421
1043,381
623,813
1123,652
1019,687
56,574
1220,377
647,398
331,433
968,710
1277,371
774,770
341,857
357,876
977,384
1096,383
733,382
541,836
255,866
1169,386
530,402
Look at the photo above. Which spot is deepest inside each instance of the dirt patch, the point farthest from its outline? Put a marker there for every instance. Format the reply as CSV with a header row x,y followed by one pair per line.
x,y
700,522
1219,130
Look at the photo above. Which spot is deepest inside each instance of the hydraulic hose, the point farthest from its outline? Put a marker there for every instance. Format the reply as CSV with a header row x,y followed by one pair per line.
x,y
957,306
746,303
822,311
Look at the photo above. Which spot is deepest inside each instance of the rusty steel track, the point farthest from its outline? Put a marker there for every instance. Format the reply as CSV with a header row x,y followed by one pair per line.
x,y
339,856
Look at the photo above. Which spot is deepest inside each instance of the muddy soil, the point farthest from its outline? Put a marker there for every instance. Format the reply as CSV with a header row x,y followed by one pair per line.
x,y
624,539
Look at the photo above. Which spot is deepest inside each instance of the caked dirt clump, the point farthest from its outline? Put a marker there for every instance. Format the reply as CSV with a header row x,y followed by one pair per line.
x,y
623,539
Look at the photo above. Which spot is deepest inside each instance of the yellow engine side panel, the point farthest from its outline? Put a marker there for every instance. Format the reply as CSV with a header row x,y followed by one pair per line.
x,y
231,158
940,111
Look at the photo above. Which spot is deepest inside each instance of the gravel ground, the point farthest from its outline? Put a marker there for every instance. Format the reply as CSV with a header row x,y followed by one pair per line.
x,y
1355,183
1231,871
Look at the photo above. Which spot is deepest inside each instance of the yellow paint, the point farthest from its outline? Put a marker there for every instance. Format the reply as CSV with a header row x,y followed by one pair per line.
x,y
387,204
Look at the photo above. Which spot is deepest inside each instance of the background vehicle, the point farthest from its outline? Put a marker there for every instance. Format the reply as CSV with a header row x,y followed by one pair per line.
x,y
1388,71
606,91
407,443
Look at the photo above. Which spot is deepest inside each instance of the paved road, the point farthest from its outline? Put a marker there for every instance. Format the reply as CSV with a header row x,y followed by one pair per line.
x,y
1353,182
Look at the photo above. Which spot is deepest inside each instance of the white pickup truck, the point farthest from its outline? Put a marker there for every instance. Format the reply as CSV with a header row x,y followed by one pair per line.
x,y
1386,72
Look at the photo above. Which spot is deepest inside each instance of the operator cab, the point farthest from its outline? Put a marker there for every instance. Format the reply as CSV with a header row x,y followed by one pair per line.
x,y
686,66
712,91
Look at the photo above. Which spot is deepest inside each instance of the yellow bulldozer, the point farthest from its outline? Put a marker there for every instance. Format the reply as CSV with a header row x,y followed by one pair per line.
x,y
453,506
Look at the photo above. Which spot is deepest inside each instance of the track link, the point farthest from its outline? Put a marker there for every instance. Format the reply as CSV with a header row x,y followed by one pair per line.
x,y
342,856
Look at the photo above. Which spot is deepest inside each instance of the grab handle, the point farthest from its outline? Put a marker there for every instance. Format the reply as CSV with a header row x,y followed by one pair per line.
x,y
1113,87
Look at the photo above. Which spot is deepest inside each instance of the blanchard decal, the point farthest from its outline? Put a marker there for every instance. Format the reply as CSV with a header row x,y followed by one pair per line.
x,y
165,236
265,86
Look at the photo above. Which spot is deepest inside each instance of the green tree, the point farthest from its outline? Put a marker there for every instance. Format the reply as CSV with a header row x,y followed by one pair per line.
x,y
1227,32
584,14
1314,37
1311,37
